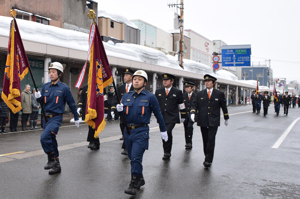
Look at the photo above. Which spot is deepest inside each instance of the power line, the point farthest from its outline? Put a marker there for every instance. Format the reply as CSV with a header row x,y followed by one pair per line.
x,y
297,62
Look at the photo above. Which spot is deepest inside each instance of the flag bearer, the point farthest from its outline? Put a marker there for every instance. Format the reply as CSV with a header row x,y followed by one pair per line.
x,y
137,106
258,100
286,100
53,97
277,102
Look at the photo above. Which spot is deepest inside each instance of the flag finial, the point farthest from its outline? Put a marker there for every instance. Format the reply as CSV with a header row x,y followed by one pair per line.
x,y
92,15
13,13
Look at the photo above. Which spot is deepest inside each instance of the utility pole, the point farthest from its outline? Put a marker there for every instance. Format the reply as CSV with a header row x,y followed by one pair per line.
x,y
181,42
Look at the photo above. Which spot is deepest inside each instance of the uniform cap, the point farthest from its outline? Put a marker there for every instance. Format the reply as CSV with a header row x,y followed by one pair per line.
x,y
266,92
188,84
129,71
208,77
166,76
141,73
56,65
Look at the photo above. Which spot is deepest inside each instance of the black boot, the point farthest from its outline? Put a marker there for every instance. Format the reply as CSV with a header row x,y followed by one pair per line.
x,y
131,190
56,168
51,161
3,130
31,125
24,126
141,182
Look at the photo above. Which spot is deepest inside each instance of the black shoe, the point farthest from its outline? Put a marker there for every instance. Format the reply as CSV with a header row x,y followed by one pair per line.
x,y
122,138
206,164
95,147
12,130
188,146
56,168
15,130
277,114
141,182
131,190
166,156
90,145
124,152
51,162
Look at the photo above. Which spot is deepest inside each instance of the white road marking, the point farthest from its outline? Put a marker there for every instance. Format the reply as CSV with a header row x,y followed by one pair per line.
x,y
286,132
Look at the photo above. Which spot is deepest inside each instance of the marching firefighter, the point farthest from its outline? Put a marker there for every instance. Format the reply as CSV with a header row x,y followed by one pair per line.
x,y
188,97
266,102
53,97
137,106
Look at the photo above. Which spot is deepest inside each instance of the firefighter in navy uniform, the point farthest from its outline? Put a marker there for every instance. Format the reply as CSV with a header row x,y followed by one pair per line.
x,y
258,100
137,107
94,143
188,97
277,102
294,100
286,100
169,98
266,102
121,90
207,105
53,98
253,96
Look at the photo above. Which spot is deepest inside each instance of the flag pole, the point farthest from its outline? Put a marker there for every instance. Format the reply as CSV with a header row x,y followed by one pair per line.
x,y
92,16
14,14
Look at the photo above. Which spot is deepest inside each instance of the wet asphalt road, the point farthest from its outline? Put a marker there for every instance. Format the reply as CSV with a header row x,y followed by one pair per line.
x,y
245,164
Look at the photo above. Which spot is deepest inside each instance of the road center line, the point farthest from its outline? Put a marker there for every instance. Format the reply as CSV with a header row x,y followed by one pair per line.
x,y
6,154
286,132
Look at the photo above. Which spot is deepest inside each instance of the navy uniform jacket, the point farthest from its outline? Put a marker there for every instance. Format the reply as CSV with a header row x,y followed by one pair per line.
x,y
169,104
54,98
253,98
121,90
188,104
138,108
286,100
208,110
258,98
266,102
82,101
277,100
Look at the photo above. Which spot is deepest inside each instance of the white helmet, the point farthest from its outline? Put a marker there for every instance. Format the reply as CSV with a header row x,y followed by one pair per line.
x,y
141,73
56,65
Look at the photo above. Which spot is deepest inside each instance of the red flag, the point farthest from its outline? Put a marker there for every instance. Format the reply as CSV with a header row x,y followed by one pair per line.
x,y
15,70
100,76
274,91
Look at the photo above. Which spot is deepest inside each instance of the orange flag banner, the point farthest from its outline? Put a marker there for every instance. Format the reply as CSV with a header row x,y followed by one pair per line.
x,y
100,76
16,68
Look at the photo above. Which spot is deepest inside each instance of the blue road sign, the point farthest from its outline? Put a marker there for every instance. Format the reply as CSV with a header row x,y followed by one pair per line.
x,y
216,66
234,56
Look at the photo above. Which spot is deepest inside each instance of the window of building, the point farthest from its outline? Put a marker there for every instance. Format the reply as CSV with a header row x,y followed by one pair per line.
x,y
23,16
112,24
41,20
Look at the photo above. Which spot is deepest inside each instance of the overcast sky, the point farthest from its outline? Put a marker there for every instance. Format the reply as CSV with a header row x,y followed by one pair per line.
x,y
272,27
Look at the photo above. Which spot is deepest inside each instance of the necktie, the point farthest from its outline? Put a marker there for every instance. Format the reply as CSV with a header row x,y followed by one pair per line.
x,y
167,92
127,88
189,97
208,94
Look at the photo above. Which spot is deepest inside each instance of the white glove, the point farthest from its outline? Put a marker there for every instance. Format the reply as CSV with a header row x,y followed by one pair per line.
x,y
78,111
37,95
112,114
182,120
77,123
164,136
226,122
193,117
120,107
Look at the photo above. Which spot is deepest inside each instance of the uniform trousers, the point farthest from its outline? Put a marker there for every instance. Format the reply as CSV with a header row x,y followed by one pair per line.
x,y
3,121
91,138
253,107
188,131
168,144
208,138
266,110
13,123
277,107
286,109
122,128
258,106
48,137
136,143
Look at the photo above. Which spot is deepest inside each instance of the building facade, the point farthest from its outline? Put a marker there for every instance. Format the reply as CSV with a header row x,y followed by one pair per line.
x,y
263,74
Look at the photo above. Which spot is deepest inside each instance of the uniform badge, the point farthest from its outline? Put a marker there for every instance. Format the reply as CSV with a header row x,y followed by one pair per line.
x,y
217,99
174,95
202,98
143,100
46,91
159,94
128,100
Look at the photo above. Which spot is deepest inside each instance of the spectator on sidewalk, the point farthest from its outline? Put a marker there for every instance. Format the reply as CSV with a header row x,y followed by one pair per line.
x,y
26,106
35,111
